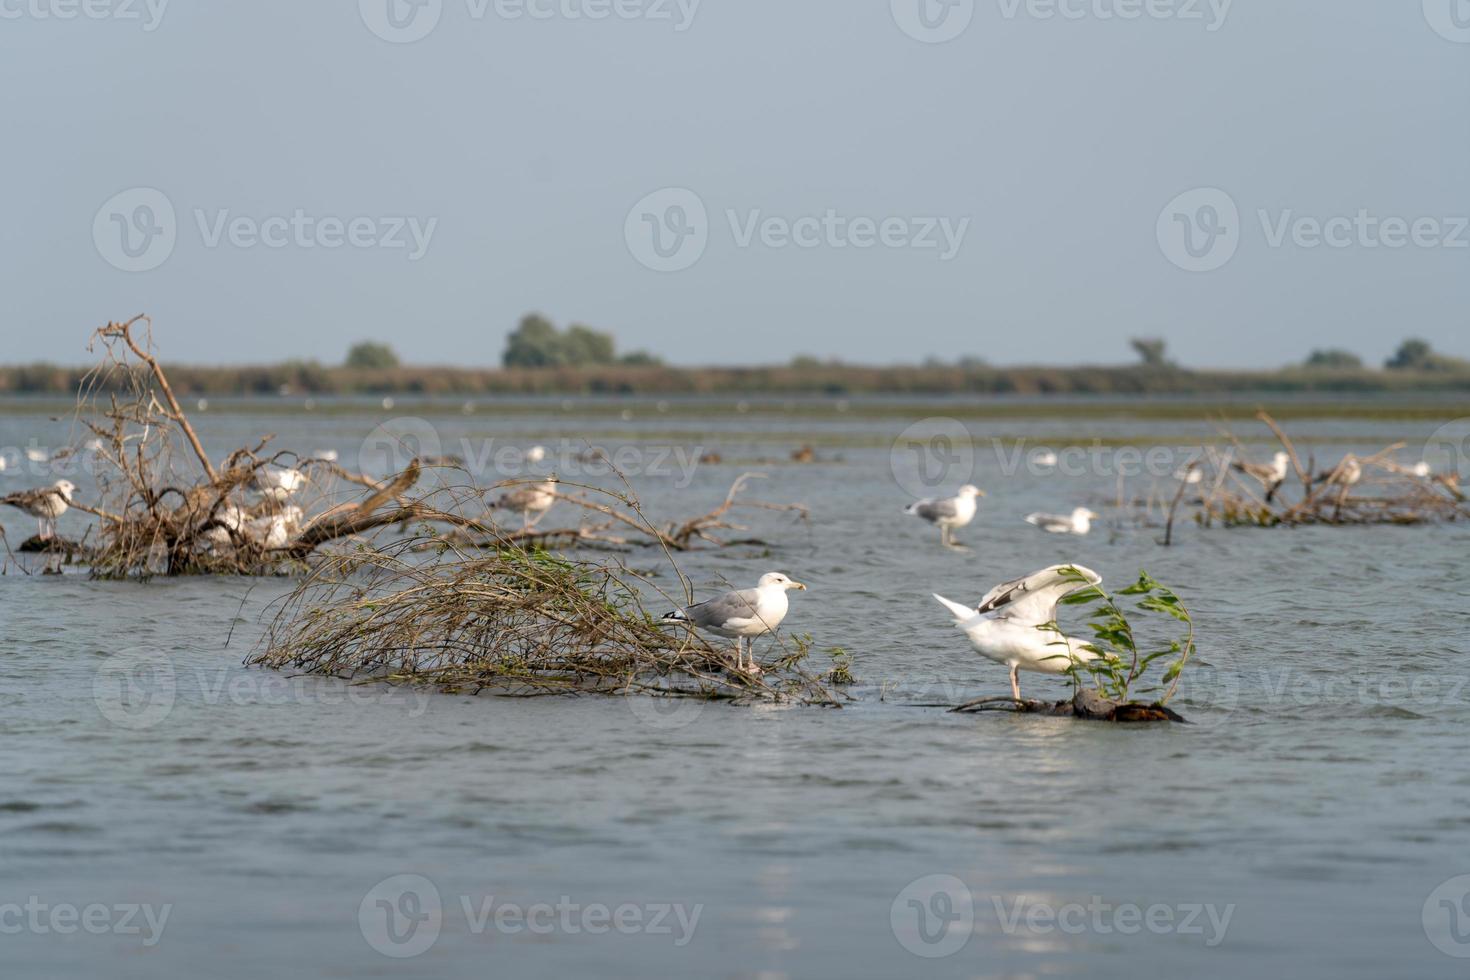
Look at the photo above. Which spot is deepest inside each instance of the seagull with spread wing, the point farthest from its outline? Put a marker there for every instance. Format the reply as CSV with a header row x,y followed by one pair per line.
x,y
45,504
742,615
948,512
1015,624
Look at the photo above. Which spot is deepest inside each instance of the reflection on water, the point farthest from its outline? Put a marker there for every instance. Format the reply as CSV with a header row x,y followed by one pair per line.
x,y
1322,794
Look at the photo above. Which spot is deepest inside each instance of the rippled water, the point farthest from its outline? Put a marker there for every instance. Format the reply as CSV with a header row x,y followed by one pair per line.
x,y
1300,827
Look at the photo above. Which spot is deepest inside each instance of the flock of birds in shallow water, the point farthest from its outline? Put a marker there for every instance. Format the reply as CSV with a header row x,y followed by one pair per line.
x,y
1005,626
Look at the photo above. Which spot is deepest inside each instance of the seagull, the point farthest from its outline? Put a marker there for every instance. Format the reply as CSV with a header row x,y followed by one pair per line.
x,y
948,512
1010,624
274,531
216,534
1271,477
535,454
1079,522
1191,475
45,504
325,455
277,483
742,615
1044,457
536,498
38,455
1345,474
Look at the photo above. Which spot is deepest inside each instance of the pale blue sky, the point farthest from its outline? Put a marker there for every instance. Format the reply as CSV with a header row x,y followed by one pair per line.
x,y
526,142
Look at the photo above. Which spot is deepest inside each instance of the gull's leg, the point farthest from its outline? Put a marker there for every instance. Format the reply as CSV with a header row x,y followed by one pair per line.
x,y
944,535
1015,682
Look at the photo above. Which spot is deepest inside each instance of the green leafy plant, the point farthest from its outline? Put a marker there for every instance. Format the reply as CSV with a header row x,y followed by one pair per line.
x,y
1120,672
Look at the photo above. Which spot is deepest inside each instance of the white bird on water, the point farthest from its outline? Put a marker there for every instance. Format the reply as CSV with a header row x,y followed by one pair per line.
x,y
948,512
1078,522
742,615
46,504
1008,626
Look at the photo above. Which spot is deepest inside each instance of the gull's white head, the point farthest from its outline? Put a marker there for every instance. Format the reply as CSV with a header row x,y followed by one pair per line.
x,y
970,490
66,488
1279,462
776,580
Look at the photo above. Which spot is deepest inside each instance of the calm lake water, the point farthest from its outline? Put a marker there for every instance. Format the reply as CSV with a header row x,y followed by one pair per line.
x,y
1308,824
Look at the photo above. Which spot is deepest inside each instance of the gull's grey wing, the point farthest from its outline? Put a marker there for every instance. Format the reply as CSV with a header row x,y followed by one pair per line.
x,y
27,499
722,609
1050,522
934,510
1034,599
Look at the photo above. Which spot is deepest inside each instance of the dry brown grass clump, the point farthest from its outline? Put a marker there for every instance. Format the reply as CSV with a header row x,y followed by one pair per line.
x,y
513,622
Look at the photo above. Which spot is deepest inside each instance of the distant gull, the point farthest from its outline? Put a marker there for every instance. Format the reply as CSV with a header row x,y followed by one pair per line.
x,y
742,615
948,512
38,455
1190,475
535,454
1008,624
46,504
1078,522
325,455
1271,477
535,499
1347,473
1044,457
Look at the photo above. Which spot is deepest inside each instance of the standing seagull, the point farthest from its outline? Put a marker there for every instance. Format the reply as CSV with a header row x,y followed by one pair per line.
x,y
1008,625
742,615
1078,522
537,499
948,512
1271,477
45,504
277,483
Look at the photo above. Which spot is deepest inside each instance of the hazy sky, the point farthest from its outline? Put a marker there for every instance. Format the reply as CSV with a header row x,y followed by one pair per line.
x,y
1008,193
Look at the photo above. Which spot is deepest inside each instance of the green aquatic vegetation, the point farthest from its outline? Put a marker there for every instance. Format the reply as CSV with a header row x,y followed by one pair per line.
x,y
1121,672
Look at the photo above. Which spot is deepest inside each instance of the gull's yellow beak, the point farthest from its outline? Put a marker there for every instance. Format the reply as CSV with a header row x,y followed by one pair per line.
x,y
798,585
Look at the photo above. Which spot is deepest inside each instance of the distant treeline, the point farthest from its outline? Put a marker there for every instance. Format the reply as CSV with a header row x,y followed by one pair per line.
x,y
806,377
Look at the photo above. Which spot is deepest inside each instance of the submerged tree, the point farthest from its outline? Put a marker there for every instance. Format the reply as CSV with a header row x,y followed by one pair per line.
x,y
1151,351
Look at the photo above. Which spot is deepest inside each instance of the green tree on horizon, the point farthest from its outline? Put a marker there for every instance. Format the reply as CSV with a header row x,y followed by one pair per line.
x,y
371,356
